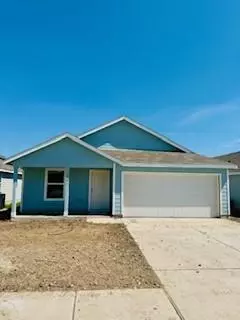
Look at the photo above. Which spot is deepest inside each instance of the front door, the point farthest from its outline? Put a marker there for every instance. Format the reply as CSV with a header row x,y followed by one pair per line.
x,y
99,191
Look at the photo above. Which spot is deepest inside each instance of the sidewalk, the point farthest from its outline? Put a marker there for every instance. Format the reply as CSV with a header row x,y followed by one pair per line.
x,y
150,304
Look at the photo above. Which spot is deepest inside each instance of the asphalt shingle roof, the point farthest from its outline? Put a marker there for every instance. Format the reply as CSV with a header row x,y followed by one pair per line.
x,y
233,157
5,166
152,157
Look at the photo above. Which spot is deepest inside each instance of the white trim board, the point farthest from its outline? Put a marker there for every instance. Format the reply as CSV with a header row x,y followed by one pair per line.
x,y
138,125
89,188
55,140
113,188
122,193
177,165
173,173
231,173
228,193
220,194
9,171
21,204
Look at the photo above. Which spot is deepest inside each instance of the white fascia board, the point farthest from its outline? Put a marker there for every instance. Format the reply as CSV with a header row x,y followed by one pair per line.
x,y
108,124
175,165
90,147
35,148
55,140
140,126
9,171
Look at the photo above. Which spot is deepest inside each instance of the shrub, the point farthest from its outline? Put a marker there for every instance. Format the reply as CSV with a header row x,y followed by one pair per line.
x,y
9,205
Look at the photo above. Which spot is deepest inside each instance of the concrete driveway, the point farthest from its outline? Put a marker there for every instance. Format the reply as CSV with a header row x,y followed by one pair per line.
x,y
197,261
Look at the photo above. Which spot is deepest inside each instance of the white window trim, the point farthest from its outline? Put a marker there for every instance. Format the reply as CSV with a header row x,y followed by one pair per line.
x,y
53,183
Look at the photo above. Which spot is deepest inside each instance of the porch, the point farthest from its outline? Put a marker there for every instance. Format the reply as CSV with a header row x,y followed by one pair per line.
x,y
66,191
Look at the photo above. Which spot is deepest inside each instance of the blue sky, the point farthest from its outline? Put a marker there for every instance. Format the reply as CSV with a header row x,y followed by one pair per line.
x,y
71,65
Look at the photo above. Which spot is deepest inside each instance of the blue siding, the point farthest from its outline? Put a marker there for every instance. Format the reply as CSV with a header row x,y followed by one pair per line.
x,y
79,182
224,193
235,189
33,194
222,173
124,135
65,153
117,197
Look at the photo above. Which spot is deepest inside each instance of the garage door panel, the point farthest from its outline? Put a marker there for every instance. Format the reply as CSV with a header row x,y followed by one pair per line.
x,y
170,195
169,212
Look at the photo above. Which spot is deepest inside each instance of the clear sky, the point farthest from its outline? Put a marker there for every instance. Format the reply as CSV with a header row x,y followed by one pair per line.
x,y
71,65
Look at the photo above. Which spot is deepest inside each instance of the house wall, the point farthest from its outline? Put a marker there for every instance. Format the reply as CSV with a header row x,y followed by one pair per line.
x,y
33,195
124,135
78,192
6,185
235,189
223,184
65,153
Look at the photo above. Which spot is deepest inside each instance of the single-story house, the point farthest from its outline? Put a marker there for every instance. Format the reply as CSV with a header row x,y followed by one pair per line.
x,y
234,177
121,168
6,181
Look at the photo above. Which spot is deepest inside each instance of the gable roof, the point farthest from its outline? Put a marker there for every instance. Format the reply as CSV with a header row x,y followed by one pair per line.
x,y
5,167
138,125
233,157
134,158
55,140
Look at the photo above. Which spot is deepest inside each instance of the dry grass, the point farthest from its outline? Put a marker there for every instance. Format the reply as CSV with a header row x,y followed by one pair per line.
x,y
70,255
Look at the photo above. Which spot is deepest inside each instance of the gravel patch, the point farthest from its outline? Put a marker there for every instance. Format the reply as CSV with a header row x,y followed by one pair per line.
x,y
43,255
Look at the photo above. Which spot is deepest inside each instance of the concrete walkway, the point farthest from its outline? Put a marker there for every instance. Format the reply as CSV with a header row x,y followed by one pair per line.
x,y
197,261
149,304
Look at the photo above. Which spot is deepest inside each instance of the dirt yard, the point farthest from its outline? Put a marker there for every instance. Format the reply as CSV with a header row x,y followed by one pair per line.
x,y
70,255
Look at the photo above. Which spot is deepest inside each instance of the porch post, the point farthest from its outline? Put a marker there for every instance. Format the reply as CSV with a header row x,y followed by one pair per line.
x,y
66,192
113,188
228,194
14,192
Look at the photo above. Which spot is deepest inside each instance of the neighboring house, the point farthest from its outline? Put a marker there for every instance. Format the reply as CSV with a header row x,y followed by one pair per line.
x,y
124,169
6,181
234,176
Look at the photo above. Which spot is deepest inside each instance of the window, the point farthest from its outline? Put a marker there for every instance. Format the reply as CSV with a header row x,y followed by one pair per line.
x,y
54,184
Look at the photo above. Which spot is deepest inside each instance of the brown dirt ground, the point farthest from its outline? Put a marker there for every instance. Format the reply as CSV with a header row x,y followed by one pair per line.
x,y
70,255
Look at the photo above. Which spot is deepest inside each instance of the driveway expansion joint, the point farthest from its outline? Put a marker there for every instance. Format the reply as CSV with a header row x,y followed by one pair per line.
x,y
74,305
217,240
173,303
199,269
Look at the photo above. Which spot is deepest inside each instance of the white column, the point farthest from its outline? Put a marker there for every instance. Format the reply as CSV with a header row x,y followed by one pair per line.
x,y
66,192
113,188
14,192
228,194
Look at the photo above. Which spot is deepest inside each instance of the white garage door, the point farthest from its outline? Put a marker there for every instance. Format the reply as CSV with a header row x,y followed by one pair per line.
x,y
170,195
